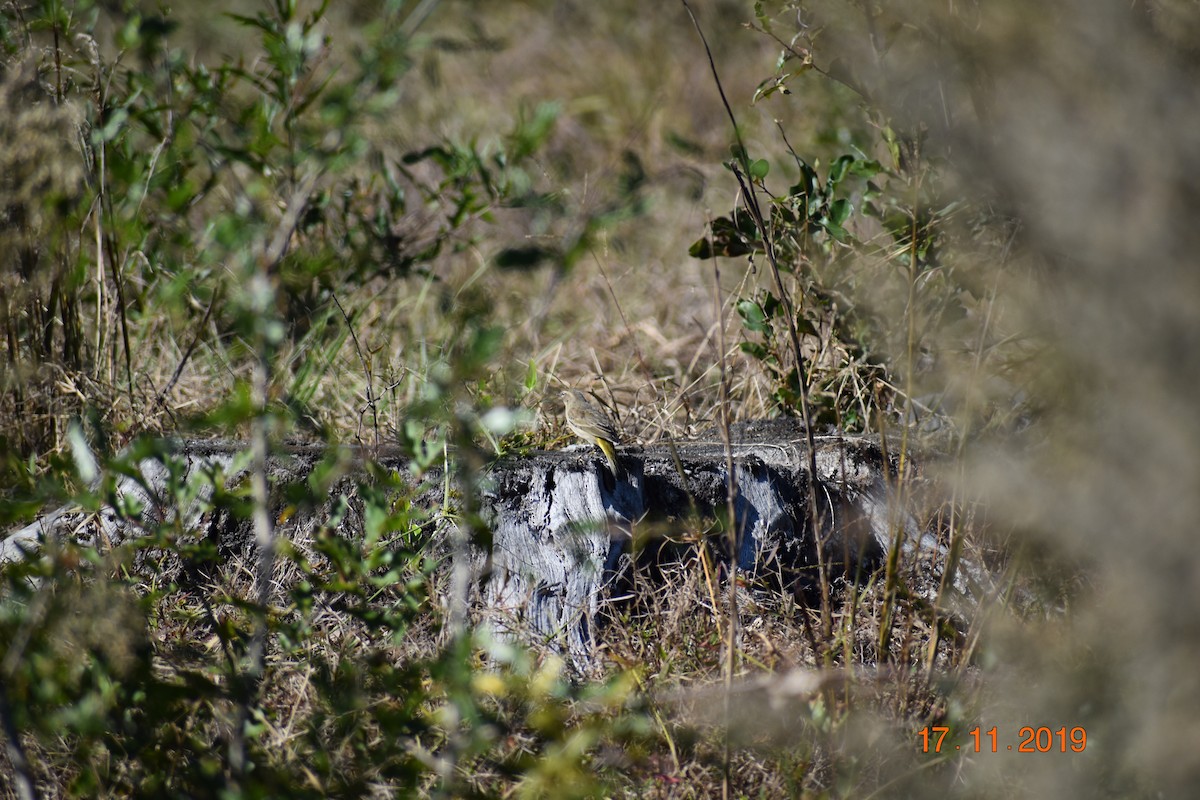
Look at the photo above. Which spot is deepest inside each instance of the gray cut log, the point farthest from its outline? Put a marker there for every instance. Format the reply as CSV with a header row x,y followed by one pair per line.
x,y
561,526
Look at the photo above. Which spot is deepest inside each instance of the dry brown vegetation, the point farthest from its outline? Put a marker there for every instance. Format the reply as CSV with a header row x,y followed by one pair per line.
x,y
405,232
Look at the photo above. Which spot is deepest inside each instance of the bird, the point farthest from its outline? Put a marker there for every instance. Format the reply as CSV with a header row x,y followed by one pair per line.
x,y
587,421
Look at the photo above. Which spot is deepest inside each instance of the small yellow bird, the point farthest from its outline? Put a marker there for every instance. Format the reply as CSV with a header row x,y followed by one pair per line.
x,y
591,424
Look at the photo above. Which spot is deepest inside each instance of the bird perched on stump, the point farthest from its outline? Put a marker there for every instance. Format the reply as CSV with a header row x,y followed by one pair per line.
x,y
587,421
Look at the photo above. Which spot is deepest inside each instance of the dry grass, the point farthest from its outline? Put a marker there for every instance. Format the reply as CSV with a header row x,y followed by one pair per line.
x,y
1058,338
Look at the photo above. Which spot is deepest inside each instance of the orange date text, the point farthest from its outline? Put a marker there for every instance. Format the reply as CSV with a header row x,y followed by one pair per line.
x,y
1030,739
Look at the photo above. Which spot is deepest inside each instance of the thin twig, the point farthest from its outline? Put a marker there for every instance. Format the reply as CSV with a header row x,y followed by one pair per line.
x,y
108,243
750,199
734,532
187,354
896,504
734,536
372,400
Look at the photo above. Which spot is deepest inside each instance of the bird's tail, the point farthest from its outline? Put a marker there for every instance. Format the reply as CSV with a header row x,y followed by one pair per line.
x,y
610,453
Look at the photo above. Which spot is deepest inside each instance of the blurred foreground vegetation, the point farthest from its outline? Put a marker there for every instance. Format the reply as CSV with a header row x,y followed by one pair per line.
x,y
966,229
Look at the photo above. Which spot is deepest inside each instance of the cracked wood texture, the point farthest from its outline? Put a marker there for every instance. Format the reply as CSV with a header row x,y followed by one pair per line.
x,y
562,527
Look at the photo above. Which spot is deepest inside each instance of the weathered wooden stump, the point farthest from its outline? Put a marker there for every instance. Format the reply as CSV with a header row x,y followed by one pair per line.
x,y
562,526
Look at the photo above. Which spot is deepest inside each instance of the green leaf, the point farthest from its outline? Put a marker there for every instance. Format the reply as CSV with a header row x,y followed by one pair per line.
x,y
767,88
805,327
702,248
730,238
771,305
744,223
838,169
759,169
866,169
755,349
839,211
810,181
753,316
893,144
112,126
837,232
531,376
